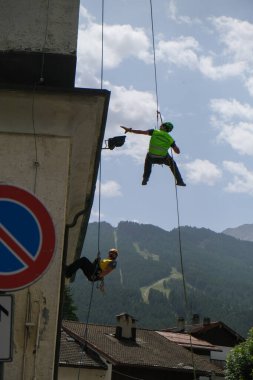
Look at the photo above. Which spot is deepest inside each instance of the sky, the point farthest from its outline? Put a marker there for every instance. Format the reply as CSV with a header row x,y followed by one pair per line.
x,y
204,70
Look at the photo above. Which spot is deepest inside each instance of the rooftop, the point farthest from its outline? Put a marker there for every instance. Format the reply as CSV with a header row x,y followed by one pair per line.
x,y
150,349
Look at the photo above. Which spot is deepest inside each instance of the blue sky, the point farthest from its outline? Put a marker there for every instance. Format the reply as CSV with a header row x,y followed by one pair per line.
x,y
204,63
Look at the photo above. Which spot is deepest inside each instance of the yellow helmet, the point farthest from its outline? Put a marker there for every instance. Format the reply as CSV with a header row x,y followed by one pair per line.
x,y
113,253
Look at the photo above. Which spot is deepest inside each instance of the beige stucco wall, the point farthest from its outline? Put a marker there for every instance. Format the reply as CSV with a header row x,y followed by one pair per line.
x,y
36,307
46,25
76,114
70,373
62,132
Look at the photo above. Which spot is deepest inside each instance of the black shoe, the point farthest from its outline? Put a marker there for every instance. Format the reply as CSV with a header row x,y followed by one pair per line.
x,y
144,181
180,183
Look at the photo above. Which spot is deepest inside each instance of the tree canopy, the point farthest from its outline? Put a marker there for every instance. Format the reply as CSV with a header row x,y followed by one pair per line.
x,y
240,360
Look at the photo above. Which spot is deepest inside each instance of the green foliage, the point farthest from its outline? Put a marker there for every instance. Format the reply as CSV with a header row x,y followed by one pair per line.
x,y
240,361
69,309
216,267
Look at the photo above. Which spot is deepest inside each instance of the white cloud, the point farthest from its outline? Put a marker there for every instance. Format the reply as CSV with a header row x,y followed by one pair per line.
x,y
135,109
249,85
124,41
119,43
238,136
95,214
181,51
232,130
110,189
228,109
224,71
237,35
202,171
184,51
174,15
85,15
242,181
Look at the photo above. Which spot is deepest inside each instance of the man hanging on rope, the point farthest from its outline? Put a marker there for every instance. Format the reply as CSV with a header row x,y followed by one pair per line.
x,y
95,271
159,144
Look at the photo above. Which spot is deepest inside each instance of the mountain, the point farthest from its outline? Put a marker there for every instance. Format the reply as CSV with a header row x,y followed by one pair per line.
x,y
244,232
148,282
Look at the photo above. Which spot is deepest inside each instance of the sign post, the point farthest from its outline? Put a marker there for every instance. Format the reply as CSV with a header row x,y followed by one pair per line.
x,y
6,313
27,244
27,238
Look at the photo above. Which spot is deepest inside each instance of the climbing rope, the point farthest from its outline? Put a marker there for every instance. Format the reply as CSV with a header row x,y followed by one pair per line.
x,y
85,335
102,47
41,80
154,59
44,44
35,162
158,115
182,267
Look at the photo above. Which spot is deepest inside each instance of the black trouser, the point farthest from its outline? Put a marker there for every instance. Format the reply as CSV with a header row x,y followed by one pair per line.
x,y
89,269
167,160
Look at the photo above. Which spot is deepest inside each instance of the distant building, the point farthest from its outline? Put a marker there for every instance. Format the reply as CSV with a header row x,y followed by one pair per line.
x,y
218,334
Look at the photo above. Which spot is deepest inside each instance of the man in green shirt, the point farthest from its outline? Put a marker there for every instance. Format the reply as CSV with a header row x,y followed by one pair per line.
x,y
159,144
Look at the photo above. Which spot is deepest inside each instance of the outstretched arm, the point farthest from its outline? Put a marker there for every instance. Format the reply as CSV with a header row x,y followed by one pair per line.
x,y
175,148
137,131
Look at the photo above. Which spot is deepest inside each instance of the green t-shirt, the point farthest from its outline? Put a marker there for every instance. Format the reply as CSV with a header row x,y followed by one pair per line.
x,y
160,142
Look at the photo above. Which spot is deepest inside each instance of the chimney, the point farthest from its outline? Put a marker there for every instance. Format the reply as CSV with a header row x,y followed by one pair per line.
x,y
125,328
180,323
206,321
195,319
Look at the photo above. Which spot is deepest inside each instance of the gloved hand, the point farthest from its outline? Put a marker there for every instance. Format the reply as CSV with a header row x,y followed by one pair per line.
x,y
102,286
126,129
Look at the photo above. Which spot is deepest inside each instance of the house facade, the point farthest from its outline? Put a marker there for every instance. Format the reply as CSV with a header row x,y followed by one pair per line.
x,y
217,334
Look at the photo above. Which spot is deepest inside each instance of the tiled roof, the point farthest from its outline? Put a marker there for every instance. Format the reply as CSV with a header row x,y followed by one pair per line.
x,y
202,328
150,349
186,340
73,354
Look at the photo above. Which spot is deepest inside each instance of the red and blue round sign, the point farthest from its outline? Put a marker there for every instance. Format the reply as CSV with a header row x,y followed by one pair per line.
x,y
27,238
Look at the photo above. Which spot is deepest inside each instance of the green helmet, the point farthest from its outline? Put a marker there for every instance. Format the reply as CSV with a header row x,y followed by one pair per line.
x,y
167,126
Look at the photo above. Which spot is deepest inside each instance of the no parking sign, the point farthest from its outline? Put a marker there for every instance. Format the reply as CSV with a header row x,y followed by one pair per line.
x,y
27,238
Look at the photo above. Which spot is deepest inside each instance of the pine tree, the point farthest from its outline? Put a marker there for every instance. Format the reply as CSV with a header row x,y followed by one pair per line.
x,y
69,308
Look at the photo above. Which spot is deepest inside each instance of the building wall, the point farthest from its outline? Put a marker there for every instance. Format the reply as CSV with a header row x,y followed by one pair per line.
x,y
51,25
70,373
62,132
220,355
36,307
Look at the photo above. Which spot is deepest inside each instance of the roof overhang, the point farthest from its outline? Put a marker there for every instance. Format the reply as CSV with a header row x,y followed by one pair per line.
x,y
75,113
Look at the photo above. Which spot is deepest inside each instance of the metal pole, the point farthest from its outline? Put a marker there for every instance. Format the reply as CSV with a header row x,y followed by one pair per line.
x,y
1,371
2,363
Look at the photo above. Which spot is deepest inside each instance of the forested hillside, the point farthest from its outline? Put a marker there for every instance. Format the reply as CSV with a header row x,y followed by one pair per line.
x,y
244,232
148,281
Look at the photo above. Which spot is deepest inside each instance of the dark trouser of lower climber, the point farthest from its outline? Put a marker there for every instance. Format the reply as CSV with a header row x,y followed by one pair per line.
x,y
168,161
89,269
